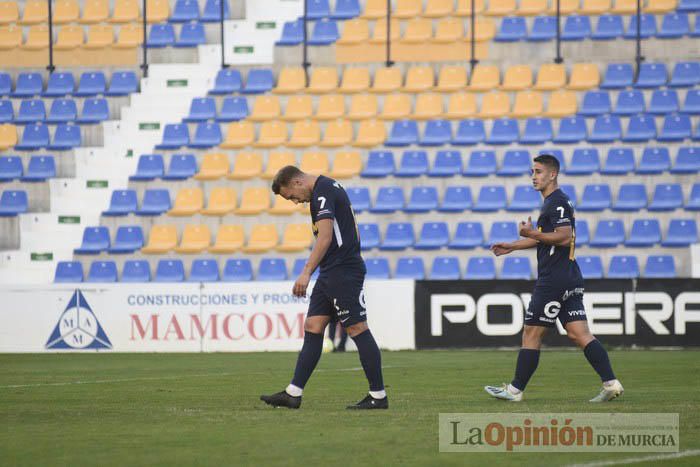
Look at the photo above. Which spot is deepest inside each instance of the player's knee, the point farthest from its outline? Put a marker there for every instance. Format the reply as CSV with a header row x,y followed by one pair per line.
x,y
532,337
581,339
314,326
357,328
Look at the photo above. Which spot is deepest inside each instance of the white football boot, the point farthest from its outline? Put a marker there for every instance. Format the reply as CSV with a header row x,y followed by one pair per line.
x,y
502,392
609,392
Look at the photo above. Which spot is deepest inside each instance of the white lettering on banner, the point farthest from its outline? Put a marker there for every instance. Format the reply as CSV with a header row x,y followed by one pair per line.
x,y
500,329
596,313
479,310
683,315
654,318
438,301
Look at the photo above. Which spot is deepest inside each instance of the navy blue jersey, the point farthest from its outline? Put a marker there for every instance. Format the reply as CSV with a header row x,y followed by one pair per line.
x,y
556,264
330,201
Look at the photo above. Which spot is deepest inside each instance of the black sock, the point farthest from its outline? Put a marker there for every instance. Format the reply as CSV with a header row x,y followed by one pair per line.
x,y
598,358
308,358
526,366
371,359
343,338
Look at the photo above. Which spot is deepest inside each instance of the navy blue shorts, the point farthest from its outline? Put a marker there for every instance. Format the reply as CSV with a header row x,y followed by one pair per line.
x,y
549,304
340,296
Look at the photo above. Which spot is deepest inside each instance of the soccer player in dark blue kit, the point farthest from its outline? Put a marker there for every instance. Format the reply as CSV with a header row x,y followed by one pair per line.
x,y
558,291
338,293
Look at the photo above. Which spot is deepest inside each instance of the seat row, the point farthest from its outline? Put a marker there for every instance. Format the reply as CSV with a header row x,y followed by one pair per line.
x,y
13,202
661,102
61,84
39,168
61,111
37,136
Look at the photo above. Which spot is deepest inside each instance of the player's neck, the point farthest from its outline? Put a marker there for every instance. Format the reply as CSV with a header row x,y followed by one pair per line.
x,y
550,189
311,181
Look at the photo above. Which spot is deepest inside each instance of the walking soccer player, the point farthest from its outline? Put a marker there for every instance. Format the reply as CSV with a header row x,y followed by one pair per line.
x,y
338,293
558,290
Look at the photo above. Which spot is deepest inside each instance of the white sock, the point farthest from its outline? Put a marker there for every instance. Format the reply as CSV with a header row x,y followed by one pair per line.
x,y
513,390
378,394
294,391
609,383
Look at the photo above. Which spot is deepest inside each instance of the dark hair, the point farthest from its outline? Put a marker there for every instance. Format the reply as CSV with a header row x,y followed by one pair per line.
x,y
285,175
548,160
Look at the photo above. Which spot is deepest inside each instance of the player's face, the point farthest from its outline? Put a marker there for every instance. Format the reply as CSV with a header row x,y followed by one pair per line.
x,y
295,192
542,176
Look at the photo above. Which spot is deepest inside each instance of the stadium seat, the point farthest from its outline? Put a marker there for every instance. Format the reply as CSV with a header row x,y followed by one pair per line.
x,y
516,268
195,239
359,198
227,81
212,11
148,168
403,133
37,38
95,241
422,199
681,233
527,104
136,271
660,6
583,235
644,233
688,5
355,79
91,84
34,137
584,161
651,75
583,76
253,201
480,268
204,270
433,236
631,197
413,164
617,76
623,267
377,268
687,161
229,239
544,28
629,103
31,111
175,135
363,106
452,79
246,165
263,237
447,164
570,191
655,160
298,268
369,235
325,32
233,109
608,27
467,235
410,268
5,84
315,163
676,127
428,106
664,102
595,103
674,26
398,236
272,269
59,85
647,30
122,202
169,270
68,272
305,133
461,105
292,33
102,271
504,131
161,239
591,267
484,78
608,234
445,268
182,167
282,206
640,129
65,138
62,111
525,198
436,133
296,237
495,105
40,168
469,132
667,197
154,203
201,109
531,7
660,266
259,81
388,200
35,12
576,28
7,113
503,232
222,201
69,38
122,83
513,29
419,79
239,134
346,164
481,164
491,199
185,11
606,129
515,163
619,161
266,107
685,74
237,270
379,164
206,135
338,134
346,9
128,239
273,133
537,131
370,133
501,8
10,168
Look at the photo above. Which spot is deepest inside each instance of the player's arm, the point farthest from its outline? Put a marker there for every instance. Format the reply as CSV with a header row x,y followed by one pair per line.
x,y
505,248
560,237
323,241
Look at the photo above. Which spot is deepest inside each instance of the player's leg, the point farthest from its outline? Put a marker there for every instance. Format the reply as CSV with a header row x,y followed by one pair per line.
x,y
343,340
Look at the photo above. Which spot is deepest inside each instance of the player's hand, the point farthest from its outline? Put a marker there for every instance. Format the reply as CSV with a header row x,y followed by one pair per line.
x,y
525,228
501,248
302,282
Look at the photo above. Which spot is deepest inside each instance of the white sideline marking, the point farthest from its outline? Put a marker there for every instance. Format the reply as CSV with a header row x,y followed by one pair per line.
x,y
632,460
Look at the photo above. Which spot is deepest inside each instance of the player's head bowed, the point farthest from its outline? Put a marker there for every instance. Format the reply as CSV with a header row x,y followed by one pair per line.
x,y
292,184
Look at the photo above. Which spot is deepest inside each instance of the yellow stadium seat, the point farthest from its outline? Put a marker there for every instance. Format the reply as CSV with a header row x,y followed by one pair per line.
x,y
452,78
130,36
214,166
532,7
428,106
517,78
291,80
387,80
188,202
125,11
355,31
239,135
561,104
584,76
595,7
99,36
65,11
355,79
438,8
10,37
195,239
407,9
37,37
323,80
501,8
461,105
346,164
624,7
374,9
551,76
158,11
419,79
527,104
254,201
449,30
315,163
266,107
297,237
35,12
370,133
283,207
246,165
272,134
379,33
306,133
95,11
277,160
263,237
222,200
485,31
464,7
229,239
9,12
69,37
8,136
495,105
161,239
298,108
566,7
396,106
330,106
660,6
363,106
338,133
484,78
417,30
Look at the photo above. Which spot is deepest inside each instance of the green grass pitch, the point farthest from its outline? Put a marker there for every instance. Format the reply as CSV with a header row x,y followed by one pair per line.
x,y
203,409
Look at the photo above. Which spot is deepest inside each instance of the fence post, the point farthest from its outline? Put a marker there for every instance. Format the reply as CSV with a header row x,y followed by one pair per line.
x,y
51,68
144,65
558,58
305,58
221,30
638,58
389,61
472,48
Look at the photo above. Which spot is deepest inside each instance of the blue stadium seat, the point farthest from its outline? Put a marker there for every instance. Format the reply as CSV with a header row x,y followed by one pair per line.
x,y
170,270
185,11
596,197
619,161
422,199
122,202
608,233
436,133
631,197
660,267
687,161
66,137
102,271
491,198
584,161
504,131
410,268
91,84
191,35
317,9
28,85
182,167
175,135
154,203
10,168
388,200
469,132
212,11
233,109
122,83
676,127
480,267
674,26
623,267
40,168
644,233
685,75
480,164
515,163
640,129
68,271
663,102
651,75
525,198
544,28
467,235
445,268
647,30
606,129
325,32
608,27
503,231
571,130
369,235
689,5
691,104
377,268
576,28
359,198
617,76
161,35
379,164
403,133
150,167
591,267
272,269
207,135
5,84
13,202
537,131
513,29
298,268
59,85
447,164
62,111
413,164
346,9
655,160
516,268
583,236
227,81
95,241
204,270
292,33
34,137
433,236
31,111
456,199
667,197
94,111
398,236
693,203
237,270
128,239
595,103
7,113
259,82
629,103
136,270
681,233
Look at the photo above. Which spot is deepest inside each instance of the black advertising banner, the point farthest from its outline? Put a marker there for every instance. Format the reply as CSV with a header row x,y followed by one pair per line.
x,y
643,312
